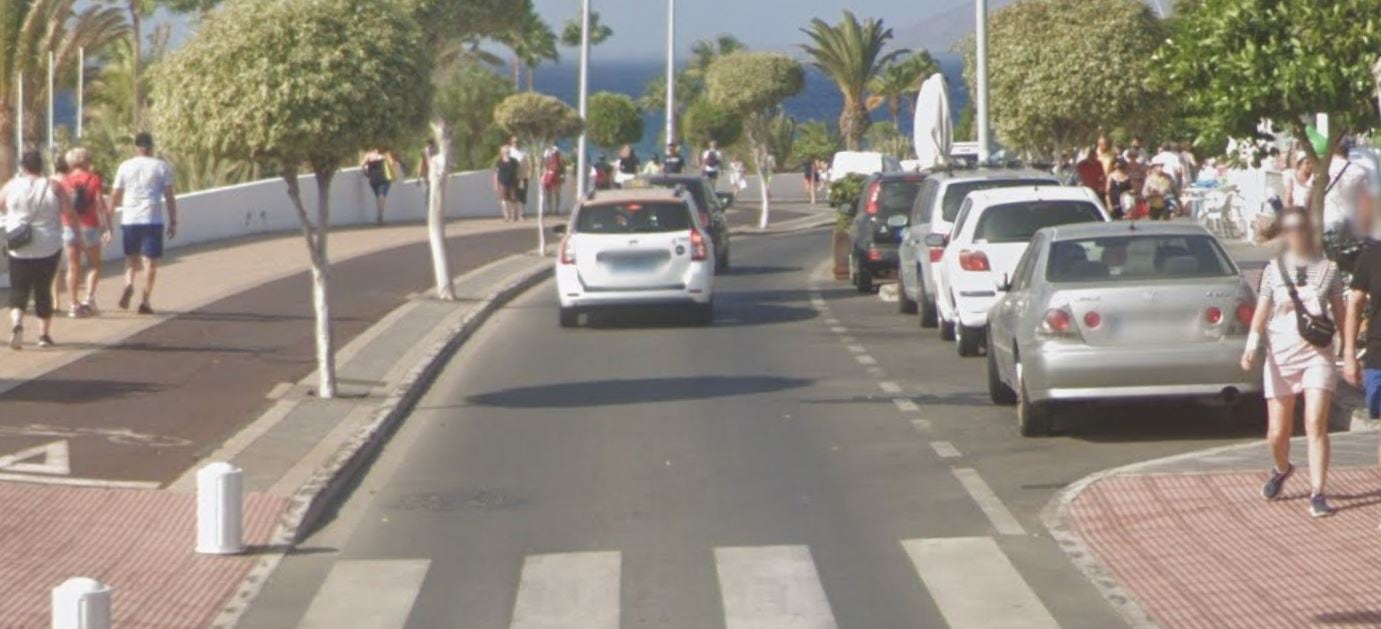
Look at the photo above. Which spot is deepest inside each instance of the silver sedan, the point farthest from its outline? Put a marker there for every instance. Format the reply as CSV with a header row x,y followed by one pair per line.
x,y
1119,311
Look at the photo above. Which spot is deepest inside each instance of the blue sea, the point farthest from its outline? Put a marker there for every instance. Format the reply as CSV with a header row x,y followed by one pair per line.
x,y
819,101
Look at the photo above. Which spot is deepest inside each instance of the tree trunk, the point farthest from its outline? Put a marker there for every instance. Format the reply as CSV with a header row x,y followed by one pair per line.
x,y
853,123
535,168
760,157
529,79
315,237
436,210
7,148
137,50
517,74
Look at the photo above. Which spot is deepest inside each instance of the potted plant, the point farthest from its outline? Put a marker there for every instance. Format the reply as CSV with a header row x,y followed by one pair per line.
x,y
844,195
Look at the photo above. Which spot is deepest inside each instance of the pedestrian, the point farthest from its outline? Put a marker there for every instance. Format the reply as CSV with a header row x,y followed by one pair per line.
x,y
1091,173
1347,206
553,179
710,162
84,237
1106,155
672,162
1171,163
1159,192
1364,298
628,165
378,172
738,178
812,181
144,191
1299,183
35,207
524,174
506,184
1301,295
1189,163
1119,196
653,167
603,173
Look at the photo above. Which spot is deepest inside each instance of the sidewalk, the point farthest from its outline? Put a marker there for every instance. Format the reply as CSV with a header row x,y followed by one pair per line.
x,y
1189,542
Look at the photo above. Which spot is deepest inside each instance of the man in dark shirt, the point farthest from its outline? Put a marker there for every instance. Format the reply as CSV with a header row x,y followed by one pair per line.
x,y
506,185
1364,297
675,165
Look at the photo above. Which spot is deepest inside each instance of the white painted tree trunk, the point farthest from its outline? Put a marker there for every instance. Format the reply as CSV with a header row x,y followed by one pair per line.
x,y
541,216
436,210
764,186
315,234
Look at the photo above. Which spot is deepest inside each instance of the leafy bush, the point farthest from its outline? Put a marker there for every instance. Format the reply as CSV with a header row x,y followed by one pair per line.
x,y
844,195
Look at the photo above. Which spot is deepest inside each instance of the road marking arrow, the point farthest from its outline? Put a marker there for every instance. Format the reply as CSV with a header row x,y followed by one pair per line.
x,y
51,458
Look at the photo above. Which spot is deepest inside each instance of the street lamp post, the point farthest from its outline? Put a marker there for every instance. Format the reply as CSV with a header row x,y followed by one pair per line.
x,y
671,71
981,70
582,167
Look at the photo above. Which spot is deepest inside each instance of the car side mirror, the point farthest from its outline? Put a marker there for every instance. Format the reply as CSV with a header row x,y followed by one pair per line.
x,y
559,230
726,199
1005,286
936,241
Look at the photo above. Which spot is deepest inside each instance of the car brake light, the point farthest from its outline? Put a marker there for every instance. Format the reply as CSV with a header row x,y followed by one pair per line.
x,y
567,251
873,205
974,261
1058,322
937,254
874,255
1092,319
1245,312
1214,315
698,250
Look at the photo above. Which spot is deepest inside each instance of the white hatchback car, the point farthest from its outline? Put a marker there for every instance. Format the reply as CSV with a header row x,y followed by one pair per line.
x,y
635,248
990,235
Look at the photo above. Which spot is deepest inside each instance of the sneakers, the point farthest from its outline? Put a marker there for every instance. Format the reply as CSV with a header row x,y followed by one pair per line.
x,y
125,296
17,337
145,309
45,341
1271,490
74,312
1318,507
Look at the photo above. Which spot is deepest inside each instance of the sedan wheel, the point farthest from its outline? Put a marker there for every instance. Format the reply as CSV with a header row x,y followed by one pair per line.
x,y
929,316
969,340
998,391
863,278
570,317
905,305
1034,419
946,327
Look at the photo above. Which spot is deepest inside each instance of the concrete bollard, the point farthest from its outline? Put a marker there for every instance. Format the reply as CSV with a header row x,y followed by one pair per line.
x,y
81,603
220,509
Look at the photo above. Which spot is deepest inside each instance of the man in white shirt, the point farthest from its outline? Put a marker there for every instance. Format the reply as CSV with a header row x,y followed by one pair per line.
x,y
1347,205
143,192
1170,160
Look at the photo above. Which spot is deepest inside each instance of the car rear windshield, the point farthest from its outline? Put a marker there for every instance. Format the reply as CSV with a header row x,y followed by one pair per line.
x,y
633,218
1018,222
1132,258
696,190
897,197
956,192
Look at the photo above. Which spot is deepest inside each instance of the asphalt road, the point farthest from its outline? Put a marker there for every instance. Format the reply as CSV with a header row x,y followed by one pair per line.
x,y
813,460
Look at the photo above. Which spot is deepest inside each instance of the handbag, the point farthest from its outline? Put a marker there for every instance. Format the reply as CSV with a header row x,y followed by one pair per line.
x,y
22,234
1316,330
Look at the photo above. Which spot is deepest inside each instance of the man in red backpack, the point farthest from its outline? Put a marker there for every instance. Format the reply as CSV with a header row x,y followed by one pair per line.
x,y
88,235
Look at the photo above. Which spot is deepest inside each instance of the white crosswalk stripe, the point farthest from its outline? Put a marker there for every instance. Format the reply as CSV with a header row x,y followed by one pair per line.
x,y
771,586
975,585
378,594
569,591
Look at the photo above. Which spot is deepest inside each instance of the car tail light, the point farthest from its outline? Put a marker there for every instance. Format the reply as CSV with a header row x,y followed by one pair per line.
x,y
1214,315
937,254
874,255
974,261
1245,311
567,251
1092,319
1058,321
698,250
873,194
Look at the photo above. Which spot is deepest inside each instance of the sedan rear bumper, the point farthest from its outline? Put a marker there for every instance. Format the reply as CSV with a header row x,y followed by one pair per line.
x,y
1064,371
573,293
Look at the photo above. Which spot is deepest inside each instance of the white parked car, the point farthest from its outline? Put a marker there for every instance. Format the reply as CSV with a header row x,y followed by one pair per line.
x,y
864,163
990,235
635,248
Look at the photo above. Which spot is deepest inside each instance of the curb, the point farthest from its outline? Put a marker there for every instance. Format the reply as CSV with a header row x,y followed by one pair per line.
x,y
313,499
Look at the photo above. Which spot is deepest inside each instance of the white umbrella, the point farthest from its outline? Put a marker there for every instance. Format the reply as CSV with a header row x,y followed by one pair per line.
x,y
934,130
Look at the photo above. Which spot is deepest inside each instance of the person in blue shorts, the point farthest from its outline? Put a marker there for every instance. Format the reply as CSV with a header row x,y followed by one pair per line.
x,y
144,196
1362,302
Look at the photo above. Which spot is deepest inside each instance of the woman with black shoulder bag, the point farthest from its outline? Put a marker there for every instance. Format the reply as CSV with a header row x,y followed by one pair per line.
x,y
1300,298
34,206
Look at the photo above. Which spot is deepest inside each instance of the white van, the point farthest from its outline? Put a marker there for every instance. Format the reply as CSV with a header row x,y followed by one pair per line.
x,y
862,163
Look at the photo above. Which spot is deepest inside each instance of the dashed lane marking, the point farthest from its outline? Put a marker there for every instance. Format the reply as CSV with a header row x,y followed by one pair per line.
x,y
945,450
839,329
772,586
888,386
877,372
377,593
904,405
975,585
857,349
922,425
865,359
988,502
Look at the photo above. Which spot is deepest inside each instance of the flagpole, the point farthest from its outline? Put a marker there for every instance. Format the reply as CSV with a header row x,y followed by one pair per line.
x,y
81,90
671,71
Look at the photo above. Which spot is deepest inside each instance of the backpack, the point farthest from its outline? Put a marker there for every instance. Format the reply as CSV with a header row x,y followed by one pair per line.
x,y
602,177
81,199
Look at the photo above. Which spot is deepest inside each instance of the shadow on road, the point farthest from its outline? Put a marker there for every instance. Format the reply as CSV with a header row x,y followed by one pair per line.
x,y
635,391
763,270
75,391
1129,423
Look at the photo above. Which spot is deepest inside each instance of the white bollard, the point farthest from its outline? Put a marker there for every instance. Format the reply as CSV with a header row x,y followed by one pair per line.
x,y
81,603
220,509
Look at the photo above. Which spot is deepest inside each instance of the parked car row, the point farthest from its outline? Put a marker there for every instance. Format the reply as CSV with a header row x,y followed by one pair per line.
x,y
1068,307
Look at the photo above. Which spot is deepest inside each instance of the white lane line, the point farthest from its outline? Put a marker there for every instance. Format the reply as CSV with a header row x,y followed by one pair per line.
x,y
839,329
771,586
568,590
888,386
922,425
374,593
975,585
877,372
992,506
865,359
847,339
904,405
831,321
857,349
945,450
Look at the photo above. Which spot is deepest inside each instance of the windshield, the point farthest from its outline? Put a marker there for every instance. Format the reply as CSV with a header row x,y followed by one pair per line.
x,y
1128,258
896,197
956,192
1018,222
633,218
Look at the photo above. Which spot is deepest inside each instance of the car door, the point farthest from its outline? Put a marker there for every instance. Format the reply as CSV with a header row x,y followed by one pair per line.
x,y
915,256
950,261
1009,311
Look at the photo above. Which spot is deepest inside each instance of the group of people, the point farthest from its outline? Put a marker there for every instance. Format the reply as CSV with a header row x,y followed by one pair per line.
x,y
1132,183
47,215
510,172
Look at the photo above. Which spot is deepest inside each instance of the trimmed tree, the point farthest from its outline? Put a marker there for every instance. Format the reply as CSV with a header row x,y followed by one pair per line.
x,y
706,121
1238,62
1062,70
308,83
539,121
754,85
613,120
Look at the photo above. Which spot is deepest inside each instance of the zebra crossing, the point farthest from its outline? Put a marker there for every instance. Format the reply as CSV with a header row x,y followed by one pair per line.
x,y
970,579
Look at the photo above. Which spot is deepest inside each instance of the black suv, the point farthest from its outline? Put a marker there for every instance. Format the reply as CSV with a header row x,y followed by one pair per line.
x,y
879,225
711,208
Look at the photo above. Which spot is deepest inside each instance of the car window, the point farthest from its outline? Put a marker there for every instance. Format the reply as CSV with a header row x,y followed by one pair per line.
x,y
925,200
1132,258
1021,277
897,197
963,218
1018,222
957,191
633,218
696,190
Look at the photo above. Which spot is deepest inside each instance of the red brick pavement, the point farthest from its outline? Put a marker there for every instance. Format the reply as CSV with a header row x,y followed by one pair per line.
x,y
1204,550
138,542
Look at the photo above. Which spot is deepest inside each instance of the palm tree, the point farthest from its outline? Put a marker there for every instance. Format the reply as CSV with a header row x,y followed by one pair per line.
x,y
532,42
29,31
900,81
599,32
850,54
706,51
